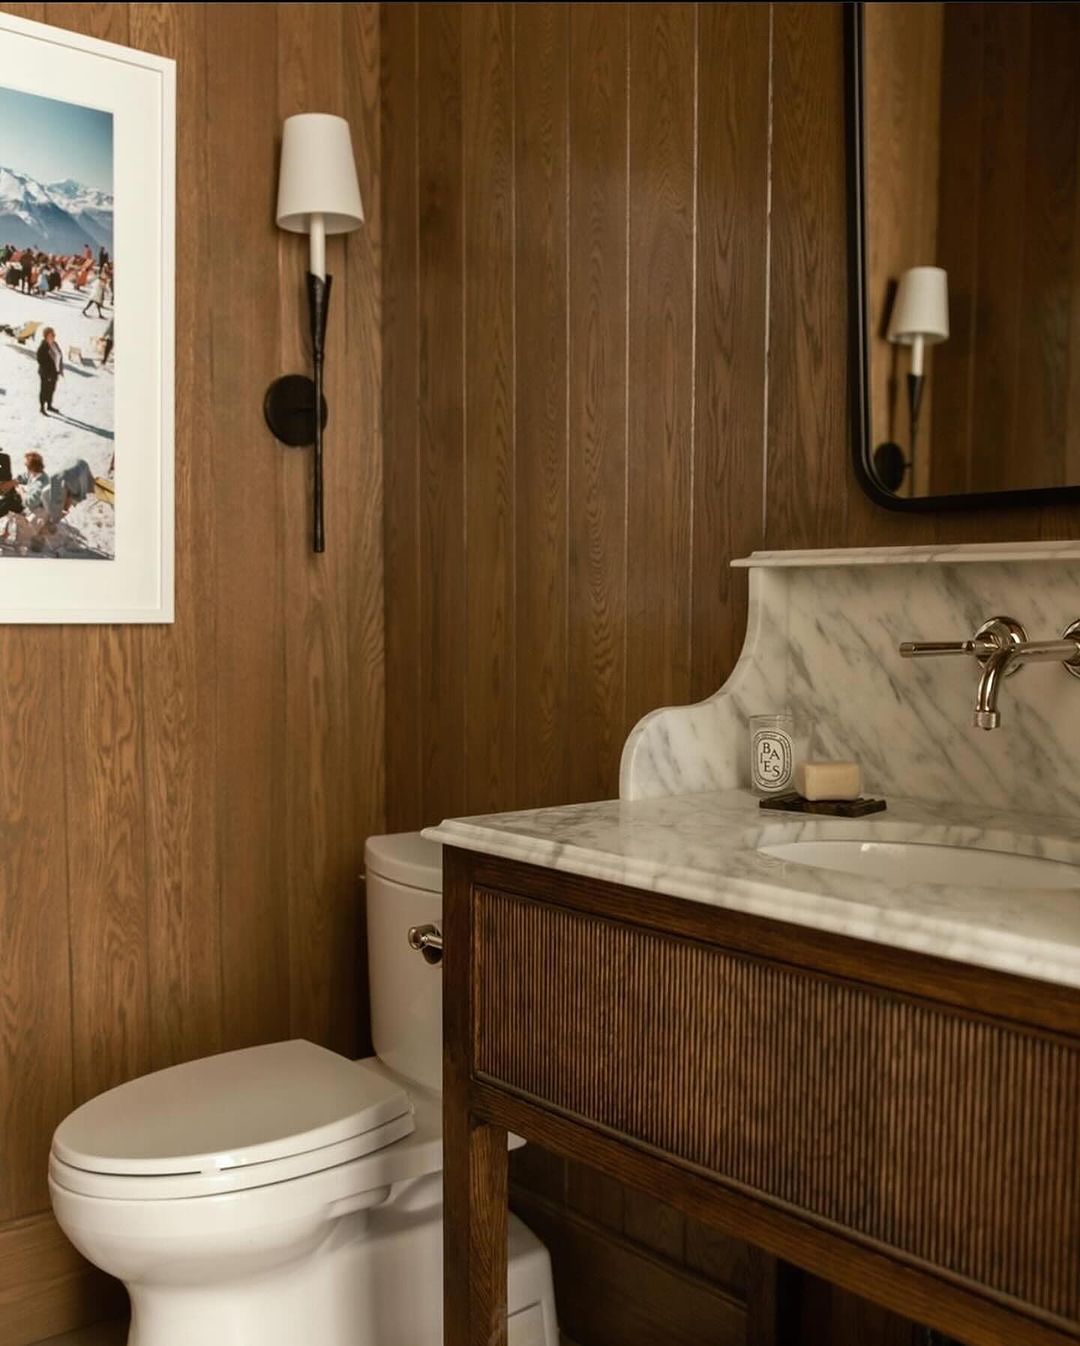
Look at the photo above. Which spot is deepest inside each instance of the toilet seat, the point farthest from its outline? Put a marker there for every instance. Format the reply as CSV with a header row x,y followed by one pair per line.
x,y
227,1123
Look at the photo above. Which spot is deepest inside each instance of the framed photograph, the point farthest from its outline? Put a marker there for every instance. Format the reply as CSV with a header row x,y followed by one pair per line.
x,y
87,234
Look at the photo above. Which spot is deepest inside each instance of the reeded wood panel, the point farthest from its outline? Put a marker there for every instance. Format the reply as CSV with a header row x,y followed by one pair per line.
x,y
950,1139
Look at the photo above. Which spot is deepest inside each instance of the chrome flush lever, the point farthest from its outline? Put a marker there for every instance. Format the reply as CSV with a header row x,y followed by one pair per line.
x,y
427,940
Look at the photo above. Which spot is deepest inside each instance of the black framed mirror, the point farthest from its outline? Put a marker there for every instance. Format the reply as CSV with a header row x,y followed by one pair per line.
x,y
963,127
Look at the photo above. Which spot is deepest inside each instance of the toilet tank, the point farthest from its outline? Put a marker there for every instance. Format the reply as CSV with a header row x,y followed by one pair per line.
x,y
404,889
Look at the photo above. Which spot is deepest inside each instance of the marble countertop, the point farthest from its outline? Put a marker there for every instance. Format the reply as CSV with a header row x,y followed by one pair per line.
x,y
704,847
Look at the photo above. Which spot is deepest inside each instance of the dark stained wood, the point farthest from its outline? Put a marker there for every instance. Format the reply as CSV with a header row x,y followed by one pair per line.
x,y
490,371
362,764
398,100
249,663
729,402
476,1188
611,1293
46,1285
597,394
958,248
625,1072
541,253
808,482
860,1114
774,1301
660,366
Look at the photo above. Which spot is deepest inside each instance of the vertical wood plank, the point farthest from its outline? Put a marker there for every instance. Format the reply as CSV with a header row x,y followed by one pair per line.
x,y
178,704
35,985
489,373
476,1169
365,669
245,477
106,815
35,975
1006,58
1049,215
597,392
441,430
661,359
541,69
732,246
958,247
807,469
322,860
399,93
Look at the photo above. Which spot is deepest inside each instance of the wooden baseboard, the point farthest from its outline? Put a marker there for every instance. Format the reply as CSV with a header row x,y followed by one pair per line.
x,y
46,1287
610,1292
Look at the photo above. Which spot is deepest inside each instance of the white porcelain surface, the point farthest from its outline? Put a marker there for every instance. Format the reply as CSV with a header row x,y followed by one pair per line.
x,y
406,992
345,1254
926,862
705,847
822,639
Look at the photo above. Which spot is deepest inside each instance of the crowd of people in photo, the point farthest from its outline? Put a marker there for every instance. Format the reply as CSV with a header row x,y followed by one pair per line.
x,y
38,496
32,271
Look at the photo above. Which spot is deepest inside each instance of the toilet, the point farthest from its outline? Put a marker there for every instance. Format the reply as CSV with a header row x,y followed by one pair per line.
x,y
285,1196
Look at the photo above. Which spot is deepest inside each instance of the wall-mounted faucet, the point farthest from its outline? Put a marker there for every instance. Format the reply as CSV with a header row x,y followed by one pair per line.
x,y
1002,648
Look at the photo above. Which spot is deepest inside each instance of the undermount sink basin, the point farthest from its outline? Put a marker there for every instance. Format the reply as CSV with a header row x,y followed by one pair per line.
x,y
923,862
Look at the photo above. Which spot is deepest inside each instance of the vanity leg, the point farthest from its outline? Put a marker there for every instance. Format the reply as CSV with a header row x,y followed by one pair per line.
x,y
773,1301
474,1246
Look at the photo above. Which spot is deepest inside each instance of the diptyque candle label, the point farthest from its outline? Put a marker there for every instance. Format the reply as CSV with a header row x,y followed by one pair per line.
x,y
771,759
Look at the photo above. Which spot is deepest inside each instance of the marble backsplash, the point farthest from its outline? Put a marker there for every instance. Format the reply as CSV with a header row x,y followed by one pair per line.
x,y
822,639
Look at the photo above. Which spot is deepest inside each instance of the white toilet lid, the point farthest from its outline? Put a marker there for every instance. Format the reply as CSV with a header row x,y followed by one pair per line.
x,y
228,1111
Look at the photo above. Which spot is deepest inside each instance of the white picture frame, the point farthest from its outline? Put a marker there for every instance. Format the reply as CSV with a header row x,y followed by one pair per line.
x,y
136,584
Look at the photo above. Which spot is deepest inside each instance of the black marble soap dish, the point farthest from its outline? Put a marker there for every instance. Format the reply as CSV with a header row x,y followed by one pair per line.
x,y
834,808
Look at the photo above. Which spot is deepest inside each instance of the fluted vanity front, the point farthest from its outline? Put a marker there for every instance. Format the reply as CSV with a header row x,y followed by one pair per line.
x,y
855,1043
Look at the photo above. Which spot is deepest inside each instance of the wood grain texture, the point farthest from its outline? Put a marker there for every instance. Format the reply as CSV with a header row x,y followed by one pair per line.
x,y
46,1285
597,395
948,1139
145,811
660,366
487,93
611,1293
729,408
541,71
178,703
399,94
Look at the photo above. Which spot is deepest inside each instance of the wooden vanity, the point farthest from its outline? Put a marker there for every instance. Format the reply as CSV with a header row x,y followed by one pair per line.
x,y
903,1125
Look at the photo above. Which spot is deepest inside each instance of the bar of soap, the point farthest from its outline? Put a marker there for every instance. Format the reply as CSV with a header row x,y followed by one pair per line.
x,y
828,780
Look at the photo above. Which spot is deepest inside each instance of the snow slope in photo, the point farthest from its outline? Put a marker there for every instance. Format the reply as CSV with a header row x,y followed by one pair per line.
x,y
82,427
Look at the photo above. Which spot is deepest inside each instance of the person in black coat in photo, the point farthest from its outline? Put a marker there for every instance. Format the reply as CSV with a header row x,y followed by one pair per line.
x,y
50,368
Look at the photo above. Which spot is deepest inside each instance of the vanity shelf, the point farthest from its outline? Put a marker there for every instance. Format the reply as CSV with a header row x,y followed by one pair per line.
x,y
903,1125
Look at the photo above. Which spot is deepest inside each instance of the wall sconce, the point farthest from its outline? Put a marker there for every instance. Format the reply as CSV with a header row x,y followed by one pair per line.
x,y
919,318
318,194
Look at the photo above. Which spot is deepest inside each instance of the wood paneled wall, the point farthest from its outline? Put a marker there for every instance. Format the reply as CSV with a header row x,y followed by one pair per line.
x,y
183,808
1008,379
615,357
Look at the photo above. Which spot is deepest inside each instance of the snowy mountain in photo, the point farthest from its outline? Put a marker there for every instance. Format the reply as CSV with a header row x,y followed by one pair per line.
x,y
56,217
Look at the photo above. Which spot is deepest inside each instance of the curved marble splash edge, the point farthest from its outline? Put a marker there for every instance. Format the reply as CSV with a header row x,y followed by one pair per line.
x,y
822,636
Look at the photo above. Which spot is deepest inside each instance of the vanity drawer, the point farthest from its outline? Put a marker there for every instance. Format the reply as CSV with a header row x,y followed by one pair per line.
x,y
948,1138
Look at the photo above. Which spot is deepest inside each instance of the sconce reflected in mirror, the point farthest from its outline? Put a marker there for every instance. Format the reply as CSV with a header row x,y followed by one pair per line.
x,y
919,318
318,194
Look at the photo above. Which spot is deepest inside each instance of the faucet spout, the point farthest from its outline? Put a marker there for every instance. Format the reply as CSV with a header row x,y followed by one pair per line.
x,y
986,714
1009,658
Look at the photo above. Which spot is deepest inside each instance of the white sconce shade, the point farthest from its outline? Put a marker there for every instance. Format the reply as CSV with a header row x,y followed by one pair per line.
x,y
318,175
921,307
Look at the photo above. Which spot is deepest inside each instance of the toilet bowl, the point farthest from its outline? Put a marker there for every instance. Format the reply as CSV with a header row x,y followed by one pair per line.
x,y
282,1195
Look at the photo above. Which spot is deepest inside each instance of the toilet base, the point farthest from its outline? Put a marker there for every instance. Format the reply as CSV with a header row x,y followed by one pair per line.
x,y
376,1281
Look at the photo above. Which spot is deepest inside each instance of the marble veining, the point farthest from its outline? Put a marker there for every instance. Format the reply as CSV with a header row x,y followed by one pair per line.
x,y
704,847
822,639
